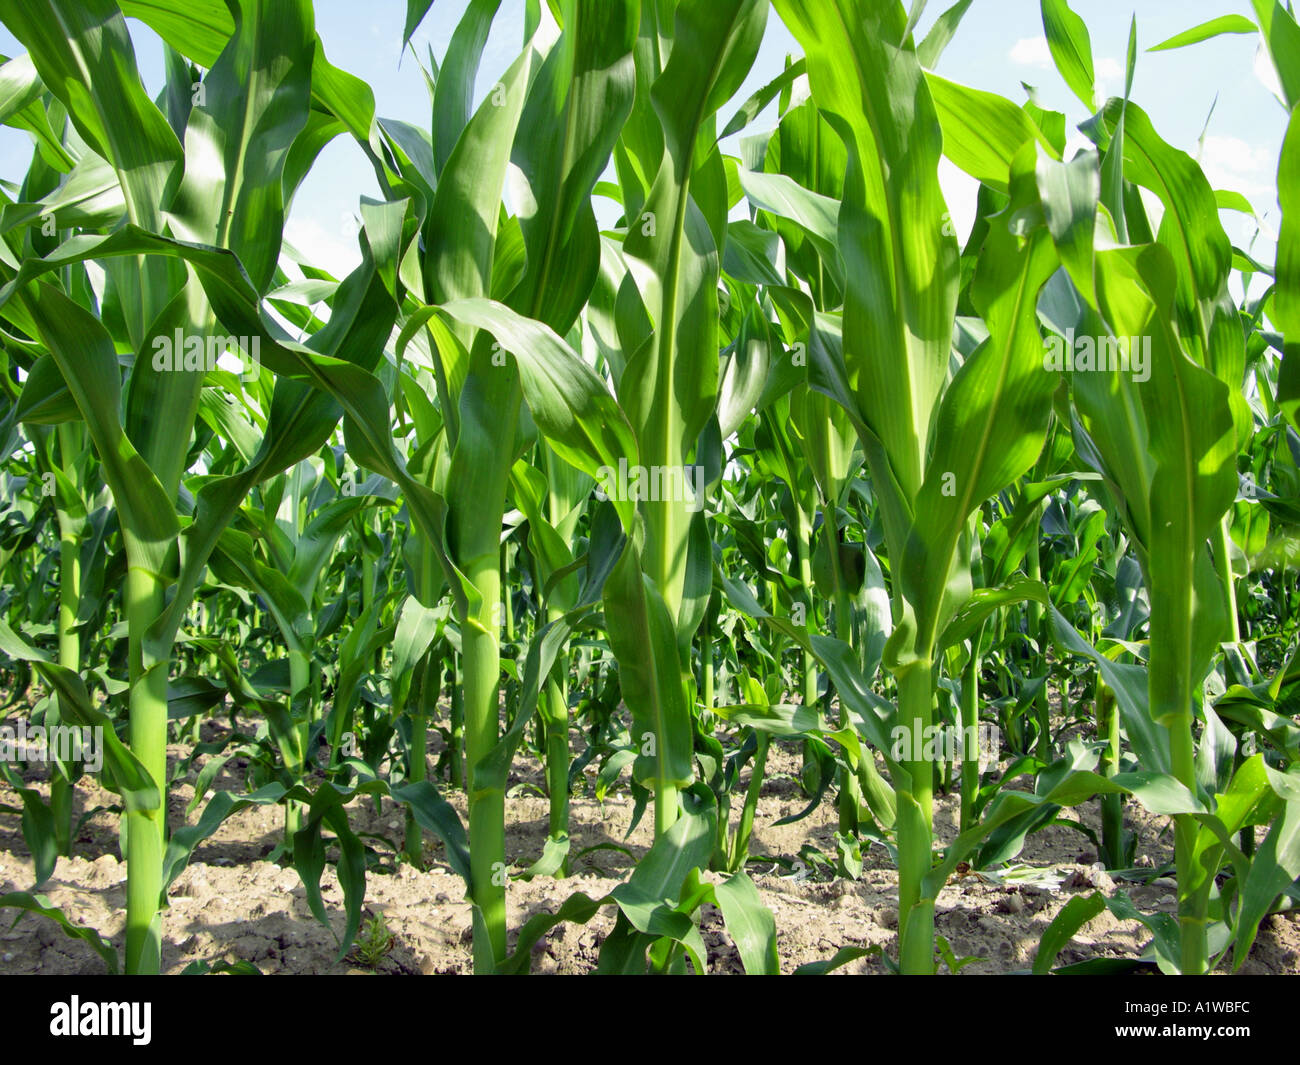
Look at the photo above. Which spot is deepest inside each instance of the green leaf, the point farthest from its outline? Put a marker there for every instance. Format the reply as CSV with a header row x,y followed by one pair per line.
x,y
200,30
43,907
1192,232
415,12
571,405
646,902
255,101
968,620
87,360
45,399
453,93
1069,194
1074,915
83,54
992,422
982,132
780,719
669,386
417,626
576,107
750,924
781,195
1277,25
943,30
749,110
21,108
1286,296
38,827
900,257
643,638
1213,28
1071,47
1274,867
123,772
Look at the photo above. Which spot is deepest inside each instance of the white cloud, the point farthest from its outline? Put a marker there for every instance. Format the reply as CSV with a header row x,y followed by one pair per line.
x,y
1109,68
1108,74
336,252
1232,163
1031,52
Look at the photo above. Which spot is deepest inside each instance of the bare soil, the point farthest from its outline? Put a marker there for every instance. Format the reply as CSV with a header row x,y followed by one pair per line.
x,y
232,904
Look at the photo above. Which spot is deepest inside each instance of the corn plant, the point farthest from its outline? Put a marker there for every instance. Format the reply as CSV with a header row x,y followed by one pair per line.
x,y
235,207
766,460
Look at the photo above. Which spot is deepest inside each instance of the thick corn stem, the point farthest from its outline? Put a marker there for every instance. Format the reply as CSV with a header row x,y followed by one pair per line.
x,y
915,828
146,829
487,812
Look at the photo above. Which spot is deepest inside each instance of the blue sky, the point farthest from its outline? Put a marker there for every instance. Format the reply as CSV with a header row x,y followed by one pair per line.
x,y
999,45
